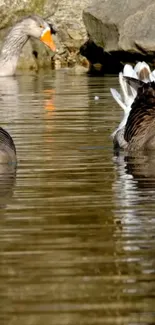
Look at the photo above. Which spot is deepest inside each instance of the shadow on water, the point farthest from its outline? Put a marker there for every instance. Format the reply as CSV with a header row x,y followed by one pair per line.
x,y
77,237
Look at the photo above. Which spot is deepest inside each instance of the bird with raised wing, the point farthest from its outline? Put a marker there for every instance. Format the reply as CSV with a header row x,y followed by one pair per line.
x,y
137,129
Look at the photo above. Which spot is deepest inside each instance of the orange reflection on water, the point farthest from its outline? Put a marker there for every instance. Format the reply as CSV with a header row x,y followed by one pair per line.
x,y
49,109
49,104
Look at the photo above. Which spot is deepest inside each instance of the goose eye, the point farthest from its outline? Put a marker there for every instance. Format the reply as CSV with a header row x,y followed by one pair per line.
x,y
41,26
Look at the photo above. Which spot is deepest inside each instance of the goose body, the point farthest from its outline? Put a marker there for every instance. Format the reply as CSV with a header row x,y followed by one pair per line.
x,y
31,26
137,129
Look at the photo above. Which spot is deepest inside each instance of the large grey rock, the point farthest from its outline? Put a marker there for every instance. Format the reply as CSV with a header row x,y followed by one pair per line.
x,y
138,31
11,11
122,25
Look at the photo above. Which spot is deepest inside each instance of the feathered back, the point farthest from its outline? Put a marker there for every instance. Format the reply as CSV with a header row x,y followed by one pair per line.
x,y
141,121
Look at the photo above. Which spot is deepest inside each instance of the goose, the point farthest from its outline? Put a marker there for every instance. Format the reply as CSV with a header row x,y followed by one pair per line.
x,y
30,26
138,102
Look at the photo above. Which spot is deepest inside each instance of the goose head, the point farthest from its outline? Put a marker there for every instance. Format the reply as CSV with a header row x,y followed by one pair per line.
x,y
30,26
37,27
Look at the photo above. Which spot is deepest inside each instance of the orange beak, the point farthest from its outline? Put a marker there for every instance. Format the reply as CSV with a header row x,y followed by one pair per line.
x,y
47,39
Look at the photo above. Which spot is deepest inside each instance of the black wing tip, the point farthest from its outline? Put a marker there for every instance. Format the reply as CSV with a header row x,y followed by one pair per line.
x,y
135,83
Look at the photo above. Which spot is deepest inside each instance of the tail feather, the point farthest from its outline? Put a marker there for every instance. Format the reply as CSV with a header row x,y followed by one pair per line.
x,y
152,75
128,92
123,87
143,71
118,98
134,83
128,71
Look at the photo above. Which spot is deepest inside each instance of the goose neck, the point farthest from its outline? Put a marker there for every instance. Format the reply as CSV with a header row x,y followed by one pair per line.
x,y
11,49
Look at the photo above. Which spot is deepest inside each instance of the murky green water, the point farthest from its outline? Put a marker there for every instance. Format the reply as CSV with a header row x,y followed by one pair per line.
x,y
77,225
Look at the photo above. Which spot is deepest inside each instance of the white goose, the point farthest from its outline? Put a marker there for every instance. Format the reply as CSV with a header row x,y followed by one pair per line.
x,y
31,26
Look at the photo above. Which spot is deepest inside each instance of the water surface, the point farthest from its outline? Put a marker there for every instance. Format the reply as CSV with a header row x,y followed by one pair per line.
x,y
77,225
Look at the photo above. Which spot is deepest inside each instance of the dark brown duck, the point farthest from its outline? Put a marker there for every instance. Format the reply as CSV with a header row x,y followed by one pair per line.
x,y
136,98
139,130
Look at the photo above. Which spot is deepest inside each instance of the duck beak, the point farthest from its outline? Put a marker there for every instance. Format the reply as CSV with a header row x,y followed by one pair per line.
x,y
46,38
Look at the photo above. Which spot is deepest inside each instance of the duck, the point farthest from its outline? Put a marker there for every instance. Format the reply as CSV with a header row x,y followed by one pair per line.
x,y
29,26
136,131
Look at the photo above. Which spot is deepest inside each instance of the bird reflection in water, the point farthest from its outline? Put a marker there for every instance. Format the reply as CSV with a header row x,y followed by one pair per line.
x,y
139,167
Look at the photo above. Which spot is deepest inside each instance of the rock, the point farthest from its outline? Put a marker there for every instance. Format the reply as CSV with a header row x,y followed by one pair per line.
x,y
57,64
138,31
71,29
77,70
121,25
74,34
11,11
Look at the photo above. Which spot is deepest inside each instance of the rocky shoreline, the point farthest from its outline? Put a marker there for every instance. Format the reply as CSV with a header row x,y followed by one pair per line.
x,y
98,35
